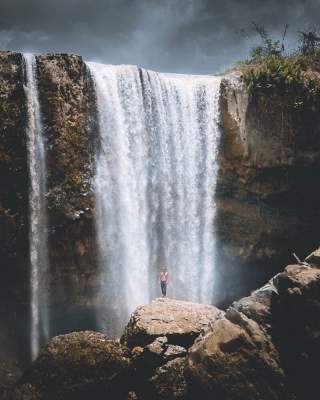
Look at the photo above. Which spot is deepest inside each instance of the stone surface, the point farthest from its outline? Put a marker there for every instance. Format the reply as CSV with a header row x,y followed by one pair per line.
x,y
14,207
258,305
232,362
314,258
173,351
267,196
296,327
266,347
179,321
79,365
68,113
168,382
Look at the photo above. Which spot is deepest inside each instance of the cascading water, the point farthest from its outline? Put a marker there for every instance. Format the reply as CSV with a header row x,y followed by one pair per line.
x,y
39,331
155,182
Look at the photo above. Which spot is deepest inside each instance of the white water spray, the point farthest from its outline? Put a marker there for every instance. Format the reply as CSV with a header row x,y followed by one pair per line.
x,y
155,182
39,332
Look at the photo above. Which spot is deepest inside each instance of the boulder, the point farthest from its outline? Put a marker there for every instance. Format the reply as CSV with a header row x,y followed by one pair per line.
x,y
258,305
233,362
296,327
79,365
179,321
314,258
168,381
266,347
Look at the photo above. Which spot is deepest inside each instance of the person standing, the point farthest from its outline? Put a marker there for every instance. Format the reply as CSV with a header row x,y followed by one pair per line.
x,y
164,278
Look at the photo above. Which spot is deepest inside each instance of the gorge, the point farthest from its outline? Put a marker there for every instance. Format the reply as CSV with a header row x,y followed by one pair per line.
x,y
130,169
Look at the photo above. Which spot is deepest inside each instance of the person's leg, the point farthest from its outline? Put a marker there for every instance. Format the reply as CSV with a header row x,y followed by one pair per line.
x,y
162,288
165,289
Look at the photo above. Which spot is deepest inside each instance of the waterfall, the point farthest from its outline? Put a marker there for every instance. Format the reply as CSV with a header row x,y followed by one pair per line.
x,y
39,330
156,173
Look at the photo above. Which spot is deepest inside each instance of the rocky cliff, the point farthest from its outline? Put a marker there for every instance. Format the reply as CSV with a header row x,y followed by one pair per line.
x,y
267,187
68,112
267,197
68,117
264,347
14,205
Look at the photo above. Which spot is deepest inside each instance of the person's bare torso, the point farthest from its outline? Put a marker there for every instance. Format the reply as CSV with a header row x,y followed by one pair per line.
x,y
163,276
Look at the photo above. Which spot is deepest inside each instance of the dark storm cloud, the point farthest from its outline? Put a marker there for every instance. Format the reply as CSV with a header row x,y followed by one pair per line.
x,y
193,36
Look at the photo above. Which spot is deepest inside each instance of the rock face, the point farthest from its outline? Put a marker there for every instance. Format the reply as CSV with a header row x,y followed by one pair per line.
x,y
266,346
267,193
267,196
168,382
296,327
159,334
68,119
179,321
78,365
67,107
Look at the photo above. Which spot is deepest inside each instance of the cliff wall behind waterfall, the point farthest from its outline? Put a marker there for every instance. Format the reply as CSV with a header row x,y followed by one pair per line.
x,y
267,188
267,194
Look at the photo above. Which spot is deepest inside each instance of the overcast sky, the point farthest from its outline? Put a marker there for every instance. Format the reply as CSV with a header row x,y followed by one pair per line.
x,y
186,36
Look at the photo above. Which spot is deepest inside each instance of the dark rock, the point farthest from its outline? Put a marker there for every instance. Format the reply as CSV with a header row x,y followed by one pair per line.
x,y
233,363
267,191
296,327
148,358
173,351
314,258
179,321
68,112
79,365
266,347
168,382
10,373
258,305
14,207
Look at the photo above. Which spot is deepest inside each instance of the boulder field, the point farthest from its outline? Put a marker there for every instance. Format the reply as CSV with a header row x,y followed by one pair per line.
x,y
263,347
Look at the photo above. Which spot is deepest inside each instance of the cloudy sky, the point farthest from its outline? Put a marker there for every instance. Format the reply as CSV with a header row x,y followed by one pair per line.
x,y
186,36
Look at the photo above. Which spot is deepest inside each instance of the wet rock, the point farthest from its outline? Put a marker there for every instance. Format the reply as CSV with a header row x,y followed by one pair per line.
x,y
168,382
9,375
296,328
80,365
68,115
173,351
179,321
266,347
258,305
233,363
14,207
267,197
314,258
148,358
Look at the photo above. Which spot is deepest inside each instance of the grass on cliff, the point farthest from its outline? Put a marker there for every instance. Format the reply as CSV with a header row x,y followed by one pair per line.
x,y
269,68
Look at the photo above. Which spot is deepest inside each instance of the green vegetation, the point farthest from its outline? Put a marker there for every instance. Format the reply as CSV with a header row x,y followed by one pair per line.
x,y
271,68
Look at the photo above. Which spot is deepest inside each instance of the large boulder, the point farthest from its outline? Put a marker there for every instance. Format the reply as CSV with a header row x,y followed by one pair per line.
x,y
78,365
168,381
179,321
236,362
266,347
296,327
